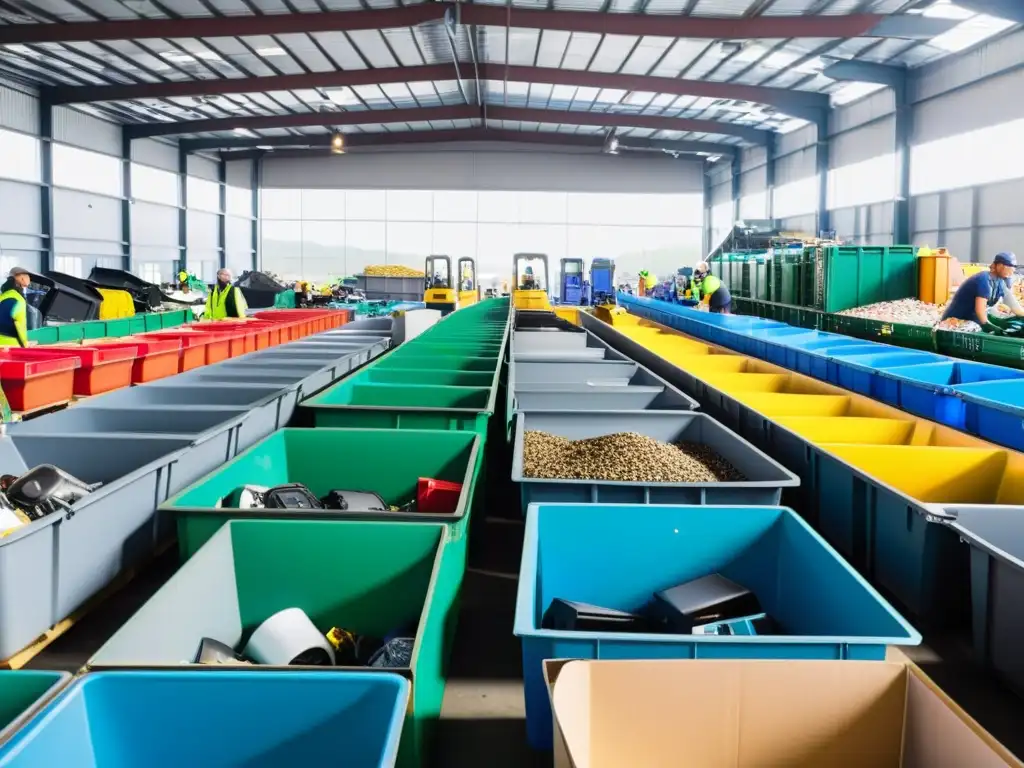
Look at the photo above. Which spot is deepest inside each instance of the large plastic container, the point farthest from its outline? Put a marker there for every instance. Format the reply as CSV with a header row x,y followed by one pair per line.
x,y
641,391
309,456
22,693
862,373
617,556
437,377
153,359
58,562
996,538
411,360
933,277
995,411
216,718
607,372
352,403
215,346
30,383
929,390
763,483
372,578
100,369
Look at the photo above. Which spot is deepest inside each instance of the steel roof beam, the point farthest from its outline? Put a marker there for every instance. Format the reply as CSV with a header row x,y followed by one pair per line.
x,y
757,136
755,27
460,112
794,103
454,135
866,72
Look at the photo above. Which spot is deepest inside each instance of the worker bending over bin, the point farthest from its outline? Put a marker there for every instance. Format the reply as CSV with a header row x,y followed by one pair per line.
x,y
978,293
711,290
225,300
13,311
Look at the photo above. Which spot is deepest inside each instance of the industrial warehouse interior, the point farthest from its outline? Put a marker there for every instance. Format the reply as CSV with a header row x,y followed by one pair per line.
x,y
578,383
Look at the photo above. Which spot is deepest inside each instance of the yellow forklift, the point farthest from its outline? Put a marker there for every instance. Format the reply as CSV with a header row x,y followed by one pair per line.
x,y
530,276
469,290
439,293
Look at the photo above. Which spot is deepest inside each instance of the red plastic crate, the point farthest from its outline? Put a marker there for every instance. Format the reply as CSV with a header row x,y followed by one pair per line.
x,y
101,368
31,383
439,496
197,347
153,359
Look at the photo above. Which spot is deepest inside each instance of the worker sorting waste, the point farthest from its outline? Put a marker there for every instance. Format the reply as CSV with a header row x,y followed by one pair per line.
x,y
984,290
225,300
13,312
712,292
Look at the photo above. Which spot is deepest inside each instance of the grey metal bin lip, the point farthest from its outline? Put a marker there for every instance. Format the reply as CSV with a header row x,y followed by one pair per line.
x,y
461,508
996,528
661,425
165,460
233,416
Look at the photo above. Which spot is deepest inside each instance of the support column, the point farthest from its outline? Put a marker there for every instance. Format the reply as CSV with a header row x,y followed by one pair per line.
x,y
46,256
126,203
822,162
736,163
182,210
257,167
769,176
222,219
904,127
706,172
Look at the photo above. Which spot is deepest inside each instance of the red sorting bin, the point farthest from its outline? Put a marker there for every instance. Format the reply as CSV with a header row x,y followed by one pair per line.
x,y
101,368
437,495
194,347
31,383
153,359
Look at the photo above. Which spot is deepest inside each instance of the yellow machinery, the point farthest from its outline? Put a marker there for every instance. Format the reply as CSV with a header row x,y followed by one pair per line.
x,y
469,290
439,292
531,281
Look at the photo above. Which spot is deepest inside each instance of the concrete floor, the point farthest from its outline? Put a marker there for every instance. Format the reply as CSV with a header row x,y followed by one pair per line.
x,y
483,712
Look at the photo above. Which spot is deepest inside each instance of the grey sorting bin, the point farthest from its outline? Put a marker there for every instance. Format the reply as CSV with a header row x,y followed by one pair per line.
x,y
539,372
763,483
548,341
573,350
996,538
50,567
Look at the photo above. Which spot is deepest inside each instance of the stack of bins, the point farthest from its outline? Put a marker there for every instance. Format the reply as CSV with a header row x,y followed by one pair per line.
x,y
143,444
254,562
614,543
872,475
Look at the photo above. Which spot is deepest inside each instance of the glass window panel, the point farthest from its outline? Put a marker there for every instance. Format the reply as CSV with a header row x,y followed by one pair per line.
x,y
407,243
364,245
455,206
587,208
754,206
869,181
281,204
494,249
498,207
19,157
796,198
281,247
984,156
455,240
239,202
366,205
154,185
543,207
410,205
203,195
323,205
76,168
69,265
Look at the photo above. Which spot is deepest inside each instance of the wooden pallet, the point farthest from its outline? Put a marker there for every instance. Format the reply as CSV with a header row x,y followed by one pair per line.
x,y
41,643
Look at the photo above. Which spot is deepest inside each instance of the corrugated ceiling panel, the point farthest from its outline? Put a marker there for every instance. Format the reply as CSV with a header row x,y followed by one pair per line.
x,y
582,46
522,46
841,7
666,7
680,56
552,48
612,53
19,110
646,55
788,7
404,46
721,7
341,49
371,45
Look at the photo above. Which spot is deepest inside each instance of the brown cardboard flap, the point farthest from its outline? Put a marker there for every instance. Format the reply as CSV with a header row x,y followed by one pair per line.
x,y
939,734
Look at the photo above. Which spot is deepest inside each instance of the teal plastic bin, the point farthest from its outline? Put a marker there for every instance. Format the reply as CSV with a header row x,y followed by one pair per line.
x,y
617,556
216,719
22,692
371,578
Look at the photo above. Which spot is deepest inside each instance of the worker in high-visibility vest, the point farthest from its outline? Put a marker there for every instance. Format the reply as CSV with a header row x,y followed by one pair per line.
x,y
713,292
225,300
13,311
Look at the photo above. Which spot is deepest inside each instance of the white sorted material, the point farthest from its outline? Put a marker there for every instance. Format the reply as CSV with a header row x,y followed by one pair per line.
x,y
907,311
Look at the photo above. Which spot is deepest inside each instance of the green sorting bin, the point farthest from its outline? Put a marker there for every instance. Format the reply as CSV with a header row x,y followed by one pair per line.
x,y
22,693
154,321
386,461
354,402
371,578
70,332
121,326
444,377
411,359
859,275
94,329
136,324
45,335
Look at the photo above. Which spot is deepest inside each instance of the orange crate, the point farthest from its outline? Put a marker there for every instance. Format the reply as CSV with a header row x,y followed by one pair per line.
x,y
197,348
101,368
34,383
153,359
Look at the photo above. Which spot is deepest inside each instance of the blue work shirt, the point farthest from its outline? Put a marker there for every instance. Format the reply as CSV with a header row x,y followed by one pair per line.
x,y
984,285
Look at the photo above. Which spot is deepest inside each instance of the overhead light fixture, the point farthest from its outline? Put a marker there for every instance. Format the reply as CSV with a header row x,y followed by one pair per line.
x,y
272,51
245,132
611,144
337,143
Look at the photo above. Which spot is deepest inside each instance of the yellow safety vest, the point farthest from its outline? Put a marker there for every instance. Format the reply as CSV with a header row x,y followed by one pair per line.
x,y
19,318
217,303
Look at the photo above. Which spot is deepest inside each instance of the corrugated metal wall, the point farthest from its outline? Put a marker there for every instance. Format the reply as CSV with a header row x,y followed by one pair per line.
x,y
238,238
20,202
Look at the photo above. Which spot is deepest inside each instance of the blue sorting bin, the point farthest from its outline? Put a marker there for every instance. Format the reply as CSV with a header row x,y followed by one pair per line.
x,y
770,343
995,411
862,373
216,719
928,390
996,538
810,356
616,556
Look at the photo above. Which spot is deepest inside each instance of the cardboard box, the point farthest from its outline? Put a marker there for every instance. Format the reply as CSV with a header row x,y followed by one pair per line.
x,y
755,714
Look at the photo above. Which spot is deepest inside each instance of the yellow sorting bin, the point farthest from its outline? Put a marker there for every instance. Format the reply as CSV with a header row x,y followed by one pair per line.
x,y
772,404
850,429
939,474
